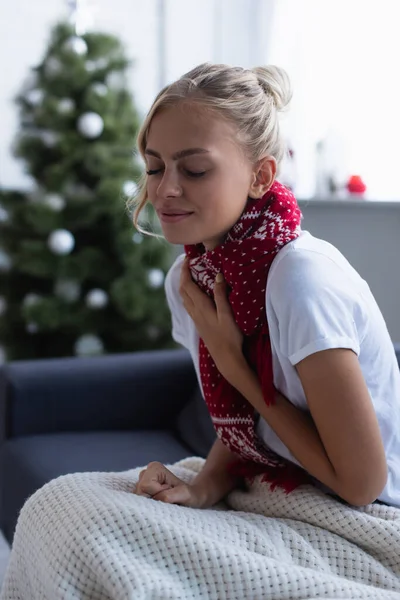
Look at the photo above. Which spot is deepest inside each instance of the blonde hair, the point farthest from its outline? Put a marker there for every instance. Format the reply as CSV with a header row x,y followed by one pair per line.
x,y
249,98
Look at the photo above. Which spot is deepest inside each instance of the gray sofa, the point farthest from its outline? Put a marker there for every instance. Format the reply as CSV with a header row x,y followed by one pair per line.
x,y
109,413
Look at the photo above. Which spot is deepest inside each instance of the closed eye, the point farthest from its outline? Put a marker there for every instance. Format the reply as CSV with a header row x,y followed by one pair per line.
x,y
153,171
195,173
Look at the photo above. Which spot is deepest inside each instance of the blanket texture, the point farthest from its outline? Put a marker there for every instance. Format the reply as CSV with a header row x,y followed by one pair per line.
x,y
88,536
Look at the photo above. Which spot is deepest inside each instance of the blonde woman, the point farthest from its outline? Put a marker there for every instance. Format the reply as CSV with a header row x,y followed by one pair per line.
x,y
292,355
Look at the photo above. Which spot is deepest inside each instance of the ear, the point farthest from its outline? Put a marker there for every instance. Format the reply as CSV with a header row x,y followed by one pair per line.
x,y
263,176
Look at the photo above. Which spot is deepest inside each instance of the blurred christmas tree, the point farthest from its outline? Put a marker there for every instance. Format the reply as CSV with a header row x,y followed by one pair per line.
x,y
75,277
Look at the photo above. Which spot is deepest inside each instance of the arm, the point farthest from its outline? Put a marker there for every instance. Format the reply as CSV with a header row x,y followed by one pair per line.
x,y
214,482
339,442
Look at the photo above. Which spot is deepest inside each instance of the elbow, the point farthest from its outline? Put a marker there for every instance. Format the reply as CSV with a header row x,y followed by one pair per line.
x,y
362,491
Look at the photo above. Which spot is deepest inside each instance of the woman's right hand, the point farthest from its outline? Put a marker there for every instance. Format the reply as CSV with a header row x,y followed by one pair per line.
x,y
158,483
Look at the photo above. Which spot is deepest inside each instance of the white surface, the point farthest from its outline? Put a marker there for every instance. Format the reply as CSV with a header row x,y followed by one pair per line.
x,y
4,556
87,536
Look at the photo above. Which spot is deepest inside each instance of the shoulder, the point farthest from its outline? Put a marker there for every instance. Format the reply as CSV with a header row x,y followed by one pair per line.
x,y
178,313
309,267
172,279
314,299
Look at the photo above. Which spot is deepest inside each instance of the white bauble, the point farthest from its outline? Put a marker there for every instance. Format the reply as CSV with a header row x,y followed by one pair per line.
x,y
61,241
31,299
90,125
155,278
35,97
91,66
49,138
3,356
32,327
66,106
102,63
153,332
137,237
53,67
67,289
54,201
4,215
5,261
97,298
116,80
88,345
100,89
77,45
130,188
3,305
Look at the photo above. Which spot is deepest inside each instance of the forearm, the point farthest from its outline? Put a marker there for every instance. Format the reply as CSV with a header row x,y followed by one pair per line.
x,y
294,427
214,479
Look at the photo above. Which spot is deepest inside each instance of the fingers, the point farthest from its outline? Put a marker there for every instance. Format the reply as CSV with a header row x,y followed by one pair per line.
x,y
221,295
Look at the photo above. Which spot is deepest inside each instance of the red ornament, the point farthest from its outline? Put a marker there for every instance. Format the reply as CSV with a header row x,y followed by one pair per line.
x,y
355,185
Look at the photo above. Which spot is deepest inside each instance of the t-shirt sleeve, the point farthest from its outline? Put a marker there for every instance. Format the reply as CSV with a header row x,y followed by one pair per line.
x,y
312,305
178,313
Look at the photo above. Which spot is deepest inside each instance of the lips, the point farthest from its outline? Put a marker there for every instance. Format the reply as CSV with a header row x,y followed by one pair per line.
x,y
173,215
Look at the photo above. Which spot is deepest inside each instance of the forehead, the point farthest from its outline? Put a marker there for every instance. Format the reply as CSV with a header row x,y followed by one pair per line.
x,y
186,126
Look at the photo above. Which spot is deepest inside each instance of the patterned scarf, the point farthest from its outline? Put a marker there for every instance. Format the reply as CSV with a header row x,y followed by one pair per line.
x,y
245,257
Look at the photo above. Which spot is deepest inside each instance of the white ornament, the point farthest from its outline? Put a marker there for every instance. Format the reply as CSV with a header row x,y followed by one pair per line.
x,y
137,237
54,201
130,188
66,106
155,278
88,345
97,298
53,67
61,241
115,80
31,299
35,97
3,356
32,327
77,45
49,138
4,215
101,63
153,332
5,261
91,66
81,15
3,305
90,125
67,289
100,89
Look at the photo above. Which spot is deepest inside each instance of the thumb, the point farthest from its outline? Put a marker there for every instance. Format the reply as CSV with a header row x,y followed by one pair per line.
x,y
177,495
220,294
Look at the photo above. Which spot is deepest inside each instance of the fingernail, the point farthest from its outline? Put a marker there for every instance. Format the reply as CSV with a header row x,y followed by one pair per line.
x,y
219,278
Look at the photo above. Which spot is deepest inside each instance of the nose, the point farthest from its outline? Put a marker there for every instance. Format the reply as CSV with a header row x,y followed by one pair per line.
x,y
169,186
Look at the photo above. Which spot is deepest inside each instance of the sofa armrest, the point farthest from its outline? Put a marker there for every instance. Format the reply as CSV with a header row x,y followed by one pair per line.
x,y
125,391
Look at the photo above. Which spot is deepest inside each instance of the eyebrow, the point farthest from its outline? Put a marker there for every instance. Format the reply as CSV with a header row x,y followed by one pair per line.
x,y
180,154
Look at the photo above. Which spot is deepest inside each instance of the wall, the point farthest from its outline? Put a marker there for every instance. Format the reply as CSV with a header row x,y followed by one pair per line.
x,y
195,32
367,233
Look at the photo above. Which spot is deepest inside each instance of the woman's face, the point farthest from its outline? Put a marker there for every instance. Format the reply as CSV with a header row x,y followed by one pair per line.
x,y
198,176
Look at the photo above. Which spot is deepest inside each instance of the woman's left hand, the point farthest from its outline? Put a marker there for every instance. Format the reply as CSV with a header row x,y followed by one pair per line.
x,y
214,322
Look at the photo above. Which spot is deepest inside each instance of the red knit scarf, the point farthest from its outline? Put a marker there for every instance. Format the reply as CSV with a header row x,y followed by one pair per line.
x,y
245,257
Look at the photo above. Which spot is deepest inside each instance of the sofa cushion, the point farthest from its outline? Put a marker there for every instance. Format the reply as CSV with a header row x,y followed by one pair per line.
x,y
194,426
27,463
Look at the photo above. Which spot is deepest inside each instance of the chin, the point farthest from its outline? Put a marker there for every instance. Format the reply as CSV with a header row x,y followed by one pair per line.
x,y
180,238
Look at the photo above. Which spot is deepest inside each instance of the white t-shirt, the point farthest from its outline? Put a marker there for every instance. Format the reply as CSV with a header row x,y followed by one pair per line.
x,y
315,300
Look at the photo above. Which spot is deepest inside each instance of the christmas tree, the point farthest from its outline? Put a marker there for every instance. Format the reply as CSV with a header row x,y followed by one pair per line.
x,y
75,277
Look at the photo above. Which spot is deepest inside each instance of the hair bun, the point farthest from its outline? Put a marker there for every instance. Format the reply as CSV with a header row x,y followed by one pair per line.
x,y
276,83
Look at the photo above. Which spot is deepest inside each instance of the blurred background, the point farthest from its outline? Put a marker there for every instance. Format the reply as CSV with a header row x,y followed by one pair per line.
x,y
78,77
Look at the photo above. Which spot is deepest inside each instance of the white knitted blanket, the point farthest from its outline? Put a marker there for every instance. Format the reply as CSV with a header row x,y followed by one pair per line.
x,y
88,536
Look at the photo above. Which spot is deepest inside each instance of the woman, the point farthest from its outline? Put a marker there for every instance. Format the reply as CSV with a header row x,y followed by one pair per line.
x,y
212,147
298,372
